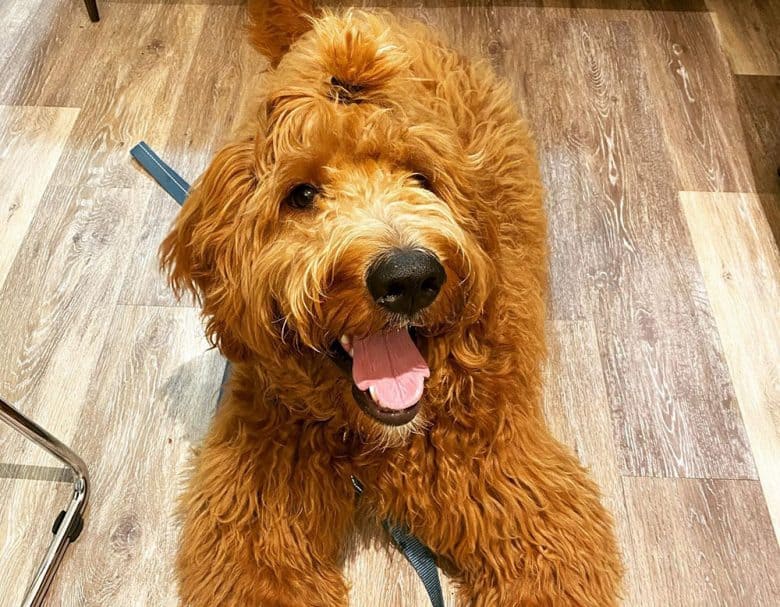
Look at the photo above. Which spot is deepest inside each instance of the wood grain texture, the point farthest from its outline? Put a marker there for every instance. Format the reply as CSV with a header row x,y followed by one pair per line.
x,y
578,412
151,397
206,2
37,473
135,89
31,142
27,511
749,33
380,575
741,267
691,88
223,77
461,5
620,251
650,5
704,542
758,98
57,33
15,15
57,302
145,283
637,382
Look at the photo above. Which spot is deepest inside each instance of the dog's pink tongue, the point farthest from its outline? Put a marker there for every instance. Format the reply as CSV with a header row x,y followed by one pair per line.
x,y
392,364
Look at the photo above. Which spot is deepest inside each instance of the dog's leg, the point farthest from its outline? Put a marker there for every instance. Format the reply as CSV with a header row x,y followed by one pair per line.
x,y
263,524
522,525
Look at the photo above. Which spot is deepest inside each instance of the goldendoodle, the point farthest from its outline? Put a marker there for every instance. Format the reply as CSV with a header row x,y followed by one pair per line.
x,y
370,255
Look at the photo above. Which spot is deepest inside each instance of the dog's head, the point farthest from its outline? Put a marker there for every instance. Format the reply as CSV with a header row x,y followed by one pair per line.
x,y
343,243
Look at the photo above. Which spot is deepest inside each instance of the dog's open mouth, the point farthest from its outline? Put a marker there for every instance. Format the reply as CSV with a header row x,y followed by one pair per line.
x,y
388,372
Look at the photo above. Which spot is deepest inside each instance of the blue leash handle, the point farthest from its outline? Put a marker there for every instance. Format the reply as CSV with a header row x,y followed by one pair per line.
x,y
169,180
178,189
417,553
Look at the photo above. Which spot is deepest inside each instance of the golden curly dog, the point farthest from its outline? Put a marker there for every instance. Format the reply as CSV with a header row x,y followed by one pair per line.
x,y
370,254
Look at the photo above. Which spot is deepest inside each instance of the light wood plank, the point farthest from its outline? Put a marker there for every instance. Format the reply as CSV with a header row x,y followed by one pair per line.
x,y
380,575
578,412
15,16
153,46
38,473
27,511
222,77
57,33
638,5
151,396
31,142
57,302
703,542
741,267
465,6
27,22
749,33
207,2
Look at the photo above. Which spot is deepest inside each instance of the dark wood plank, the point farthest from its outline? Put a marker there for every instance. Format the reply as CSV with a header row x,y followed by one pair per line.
x,y
691,88
621,253
771,206
704,542
758,98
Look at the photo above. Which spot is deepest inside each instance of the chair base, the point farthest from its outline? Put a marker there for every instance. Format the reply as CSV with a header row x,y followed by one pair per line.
x,y
69,522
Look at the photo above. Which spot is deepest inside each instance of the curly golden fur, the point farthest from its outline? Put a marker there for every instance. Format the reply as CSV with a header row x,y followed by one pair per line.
x,y
361,105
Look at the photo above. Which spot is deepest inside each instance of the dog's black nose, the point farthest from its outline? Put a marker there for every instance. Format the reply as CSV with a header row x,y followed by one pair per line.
x,y
406,280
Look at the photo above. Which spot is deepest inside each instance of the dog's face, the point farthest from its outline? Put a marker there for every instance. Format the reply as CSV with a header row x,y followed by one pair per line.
x,y
339,244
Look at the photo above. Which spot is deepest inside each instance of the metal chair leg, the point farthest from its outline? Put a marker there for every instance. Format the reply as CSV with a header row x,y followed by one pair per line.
x,y
69,522
92,9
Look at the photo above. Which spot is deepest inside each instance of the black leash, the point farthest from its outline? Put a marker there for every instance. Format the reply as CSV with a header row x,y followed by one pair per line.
x,y
417,553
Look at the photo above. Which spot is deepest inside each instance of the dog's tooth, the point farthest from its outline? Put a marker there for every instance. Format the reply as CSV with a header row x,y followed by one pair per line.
x,y
345,342
372,392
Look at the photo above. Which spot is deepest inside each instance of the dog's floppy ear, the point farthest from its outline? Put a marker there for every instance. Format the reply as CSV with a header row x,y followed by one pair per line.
x,y
201,253
275,24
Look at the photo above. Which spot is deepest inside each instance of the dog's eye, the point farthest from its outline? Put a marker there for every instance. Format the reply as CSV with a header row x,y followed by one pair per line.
x,y
424,182
302,196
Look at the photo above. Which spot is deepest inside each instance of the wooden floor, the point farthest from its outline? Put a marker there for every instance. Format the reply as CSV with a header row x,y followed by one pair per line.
x,y
659,137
